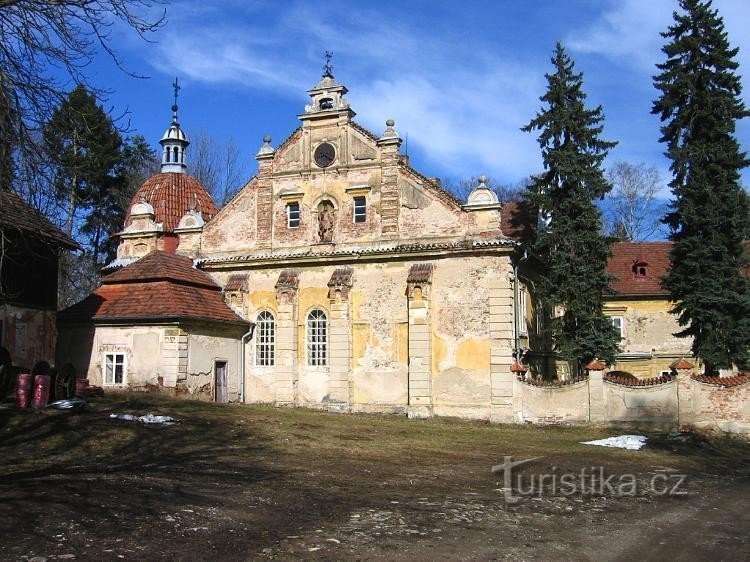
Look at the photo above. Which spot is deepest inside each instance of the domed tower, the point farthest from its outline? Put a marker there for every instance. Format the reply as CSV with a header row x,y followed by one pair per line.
x,y
168,211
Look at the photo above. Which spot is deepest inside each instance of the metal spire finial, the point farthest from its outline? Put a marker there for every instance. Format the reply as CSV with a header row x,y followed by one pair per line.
x,y
176,87
328,67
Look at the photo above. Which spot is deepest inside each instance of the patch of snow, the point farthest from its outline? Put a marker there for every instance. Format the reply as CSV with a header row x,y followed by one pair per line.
x,y
631,442
148,418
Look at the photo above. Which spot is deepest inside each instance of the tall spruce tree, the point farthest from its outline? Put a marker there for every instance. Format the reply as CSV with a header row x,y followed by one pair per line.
x,y
699,105
84,149
571,245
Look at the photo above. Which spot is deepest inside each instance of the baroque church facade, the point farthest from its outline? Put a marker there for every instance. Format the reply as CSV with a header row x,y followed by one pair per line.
x,y
338,277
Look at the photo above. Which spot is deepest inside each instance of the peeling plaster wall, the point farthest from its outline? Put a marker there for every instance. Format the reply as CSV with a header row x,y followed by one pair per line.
x,y
377,327
461,333
648,345
164,358
233,228
422,214
142,346
380,335
653,406
714,408
203,351
567,404
28,334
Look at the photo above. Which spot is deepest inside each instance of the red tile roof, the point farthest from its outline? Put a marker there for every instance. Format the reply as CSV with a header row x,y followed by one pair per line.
x,y
596,365
736,380
626,379
172,195
236,282
420,273
341,277
16,214
159,286
653,256
518,221
682,364
161,266
288,279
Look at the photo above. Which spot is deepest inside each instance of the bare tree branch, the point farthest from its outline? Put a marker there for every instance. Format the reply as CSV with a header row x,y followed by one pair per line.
x,y
634,211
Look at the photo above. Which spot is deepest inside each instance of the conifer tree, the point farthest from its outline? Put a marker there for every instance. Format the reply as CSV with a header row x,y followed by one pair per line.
x,y
699,104
570,244
83,149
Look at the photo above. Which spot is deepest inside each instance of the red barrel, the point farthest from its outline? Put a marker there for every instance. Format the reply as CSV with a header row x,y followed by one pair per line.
x,y
82,386
41,391
23,389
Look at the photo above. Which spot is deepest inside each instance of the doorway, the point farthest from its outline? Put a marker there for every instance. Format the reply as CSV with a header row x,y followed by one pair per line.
x,y
220,383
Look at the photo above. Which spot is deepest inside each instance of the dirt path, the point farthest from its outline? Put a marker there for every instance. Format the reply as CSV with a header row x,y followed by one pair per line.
x,y
236,483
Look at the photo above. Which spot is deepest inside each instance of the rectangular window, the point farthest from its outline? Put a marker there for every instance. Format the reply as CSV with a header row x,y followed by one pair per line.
x,y
114,368
522,327
292,215
360,209
618,324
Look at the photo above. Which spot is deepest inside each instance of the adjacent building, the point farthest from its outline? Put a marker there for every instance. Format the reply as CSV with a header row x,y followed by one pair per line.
x,y
30,251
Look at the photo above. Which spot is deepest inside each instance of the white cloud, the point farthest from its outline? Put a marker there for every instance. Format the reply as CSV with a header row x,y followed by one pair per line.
x,y
629,33
462,109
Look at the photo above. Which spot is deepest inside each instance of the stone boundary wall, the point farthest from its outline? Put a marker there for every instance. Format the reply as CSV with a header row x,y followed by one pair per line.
x,y
683,401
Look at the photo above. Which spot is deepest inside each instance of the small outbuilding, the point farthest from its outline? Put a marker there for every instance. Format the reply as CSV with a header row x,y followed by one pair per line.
x,y
158,323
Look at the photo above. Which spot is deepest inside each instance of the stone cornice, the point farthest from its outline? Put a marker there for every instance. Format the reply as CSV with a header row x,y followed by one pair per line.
x,y
322,254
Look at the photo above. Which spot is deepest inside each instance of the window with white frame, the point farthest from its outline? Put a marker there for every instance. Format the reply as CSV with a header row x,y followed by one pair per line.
x,y
292,214
265,345
360,209
618,323
522,296
317,338
114,368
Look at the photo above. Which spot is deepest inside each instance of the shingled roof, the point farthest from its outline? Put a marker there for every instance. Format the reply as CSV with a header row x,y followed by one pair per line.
x,y
172,195
518,221
159,287
638,267
16,214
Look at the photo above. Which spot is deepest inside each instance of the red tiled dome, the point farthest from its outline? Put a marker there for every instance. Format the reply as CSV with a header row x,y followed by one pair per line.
x,y
171,195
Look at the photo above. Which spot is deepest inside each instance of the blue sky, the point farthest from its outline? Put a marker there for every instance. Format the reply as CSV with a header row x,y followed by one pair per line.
x,y
459,78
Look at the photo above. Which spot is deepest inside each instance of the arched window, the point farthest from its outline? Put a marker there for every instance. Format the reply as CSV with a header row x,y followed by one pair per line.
x,y
265,344
166,154
175,158
317,338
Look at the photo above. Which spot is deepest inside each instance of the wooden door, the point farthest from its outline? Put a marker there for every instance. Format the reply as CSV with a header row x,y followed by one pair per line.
x,y
220,386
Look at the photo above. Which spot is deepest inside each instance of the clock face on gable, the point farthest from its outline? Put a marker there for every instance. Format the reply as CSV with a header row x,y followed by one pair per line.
x,y
324,155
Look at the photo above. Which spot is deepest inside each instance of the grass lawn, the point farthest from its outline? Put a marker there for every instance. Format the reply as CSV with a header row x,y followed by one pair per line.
x,y
236,482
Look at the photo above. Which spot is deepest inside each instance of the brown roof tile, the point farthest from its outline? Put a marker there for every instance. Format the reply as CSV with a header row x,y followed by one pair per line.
x,y
626,379
236,282
159,265
723,381
288,279
15,213
596,365
681,364
518,221
341,277
627,260
159,286
420,273
172,195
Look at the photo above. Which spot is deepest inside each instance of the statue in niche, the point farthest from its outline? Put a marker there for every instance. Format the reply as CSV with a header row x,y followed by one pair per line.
x,y
325,222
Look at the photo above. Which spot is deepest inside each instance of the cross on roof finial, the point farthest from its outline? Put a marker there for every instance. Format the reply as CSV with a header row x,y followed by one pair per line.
x,y
176,87
328,67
